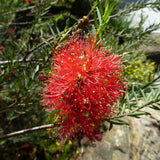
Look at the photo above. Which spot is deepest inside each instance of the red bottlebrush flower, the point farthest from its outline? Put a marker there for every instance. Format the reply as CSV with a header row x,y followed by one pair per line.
x,y
10,31
41,76
1,47
25,145
83,86
13,21
30,1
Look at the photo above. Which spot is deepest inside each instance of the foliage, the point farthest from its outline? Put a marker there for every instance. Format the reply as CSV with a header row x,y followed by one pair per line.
x,y
29,31
139,69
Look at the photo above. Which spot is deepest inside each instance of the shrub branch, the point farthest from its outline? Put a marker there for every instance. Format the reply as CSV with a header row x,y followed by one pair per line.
x,y
29,130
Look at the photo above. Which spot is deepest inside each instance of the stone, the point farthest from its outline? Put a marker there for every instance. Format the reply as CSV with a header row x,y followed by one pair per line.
x,y
138,141
152,48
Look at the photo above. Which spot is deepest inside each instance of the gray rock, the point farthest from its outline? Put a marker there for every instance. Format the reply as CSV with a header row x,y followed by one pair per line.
x,y
139,141
152,49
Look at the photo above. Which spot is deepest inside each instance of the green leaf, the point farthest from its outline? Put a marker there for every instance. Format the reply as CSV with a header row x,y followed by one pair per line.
x,y
99,16
25,83
136,98
155,107
117,121
35,71
139,113
104,18
51,30
103,26
56,29
2,142
128,102
95,20
108,10
67,24
143,94
100,7
123,108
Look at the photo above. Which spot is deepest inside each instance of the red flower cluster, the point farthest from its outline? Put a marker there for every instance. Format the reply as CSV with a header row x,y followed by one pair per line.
x,y
1,47
10,31
83,86
30,1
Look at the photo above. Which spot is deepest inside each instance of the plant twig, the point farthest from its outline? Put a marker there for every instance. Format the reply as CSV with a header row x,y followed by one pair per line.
x,y
8,107
30,52
22,23
133,8
19,10
20,61
29,130
135,110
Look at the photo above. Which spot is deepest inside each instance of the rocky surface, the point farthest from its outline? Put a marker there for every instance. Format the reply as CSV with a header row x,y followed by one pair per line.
x,y
152,50
138,141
